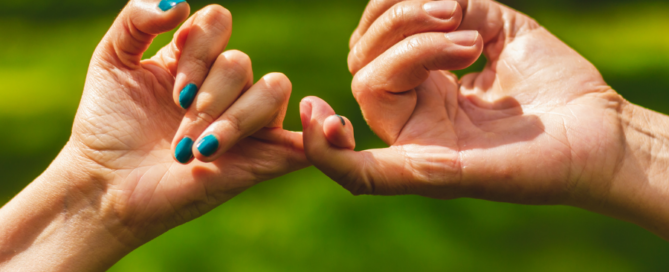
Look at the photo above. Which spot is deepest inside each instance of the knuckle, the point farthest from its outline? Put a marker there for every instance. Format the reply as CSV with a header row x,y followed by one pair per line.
x,y
199,65
353,60
357,184
217,17
234,124
358,86
364,83
397,17
238,60
380,4
414,42
361,88
235,66
204,117
279,85
376,3
420,46
204,102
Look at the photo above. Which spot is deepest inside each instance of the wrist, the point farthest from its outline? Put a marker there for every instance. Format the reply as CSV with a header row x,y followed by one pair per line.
x,y
639,191
59,223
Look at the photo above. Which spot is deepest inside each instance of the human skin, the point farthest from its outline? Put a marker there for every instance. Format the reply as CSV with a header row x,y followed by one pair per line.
x,y
117,184
538,125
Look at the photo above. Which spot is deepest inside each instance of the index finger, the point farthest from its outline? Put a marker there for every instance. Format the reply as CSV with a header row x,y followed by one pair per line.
x,y
373,11
490,18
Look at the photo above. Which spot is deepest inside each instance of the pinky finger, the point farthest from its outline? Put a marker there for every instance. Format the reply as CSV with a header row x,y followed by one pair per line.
x,y
339,132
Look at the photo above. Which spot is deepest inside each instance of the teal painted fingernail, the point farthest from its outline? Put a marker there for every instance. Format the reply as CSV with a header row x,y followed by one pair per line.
x,y
208,145
184,151
187,95
343,123
166,5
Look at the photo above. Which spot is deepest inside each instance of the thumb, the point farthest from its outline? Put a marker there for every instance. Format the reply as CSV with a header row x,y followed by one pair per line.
x,y
136,27
373,172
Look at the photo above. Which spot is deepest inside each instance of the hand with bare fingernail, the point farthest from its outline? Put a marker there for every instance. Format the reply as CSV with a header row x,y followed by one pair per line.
x,y
538,125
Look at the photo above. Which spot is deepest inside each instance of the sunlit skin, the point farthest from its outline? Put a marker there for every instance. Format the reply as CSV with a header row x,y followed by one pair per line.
x,y
537,126
127,124
117,179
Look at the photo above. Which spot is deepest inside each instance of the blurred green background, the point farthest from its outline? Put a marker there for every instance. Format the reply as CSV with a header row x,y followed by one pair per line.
x,y
304,221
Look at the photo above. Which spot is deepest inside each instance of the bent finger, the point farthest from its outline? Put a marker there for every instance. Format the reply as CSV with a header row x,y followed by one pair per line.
x,y
207,38
257,108
373,11
374,172
403,20
136,27
230,75
339,131
407,64
387,84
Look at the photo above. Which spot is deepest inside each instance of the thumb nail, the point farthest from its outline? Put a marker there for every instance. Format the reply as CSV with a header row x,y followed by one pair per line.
x,y
463,38
441,9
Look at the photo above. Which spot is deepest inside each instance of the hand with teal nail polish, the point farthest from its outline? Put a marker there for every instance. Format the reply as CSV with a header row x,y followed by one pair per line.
x,y
123,178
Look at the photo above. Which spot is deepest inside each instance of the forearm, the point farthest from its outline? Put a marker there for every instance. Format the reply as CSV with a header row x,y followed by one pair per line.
x,y
56,224
639,192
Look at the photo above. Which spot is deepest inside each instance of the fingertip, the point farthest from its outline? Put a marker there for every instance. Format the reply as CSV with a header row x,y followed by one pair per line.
x,y
320,108
183,151
278,81
166,5
313,112
152,19
239,58
339,132
466,46
222,15
136,27
206,149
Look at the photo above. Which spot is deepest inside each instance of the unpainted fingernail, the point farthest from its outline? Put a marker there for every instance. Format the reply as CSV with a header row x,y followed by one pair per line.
x,y
166,5
343,122
441,9
208,145
184,150
187,95
463,38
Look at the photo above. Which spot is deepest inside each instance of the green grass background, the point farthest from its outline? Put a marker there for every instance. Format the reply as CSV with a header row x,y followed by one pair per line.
x,y
304,221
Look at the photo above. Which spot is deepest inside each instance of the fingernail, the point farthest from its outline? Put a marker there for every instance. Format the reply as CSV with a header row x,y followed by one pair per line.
x,y
208,145
187,95
463,38
184,151
166,5
343,123
441,9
